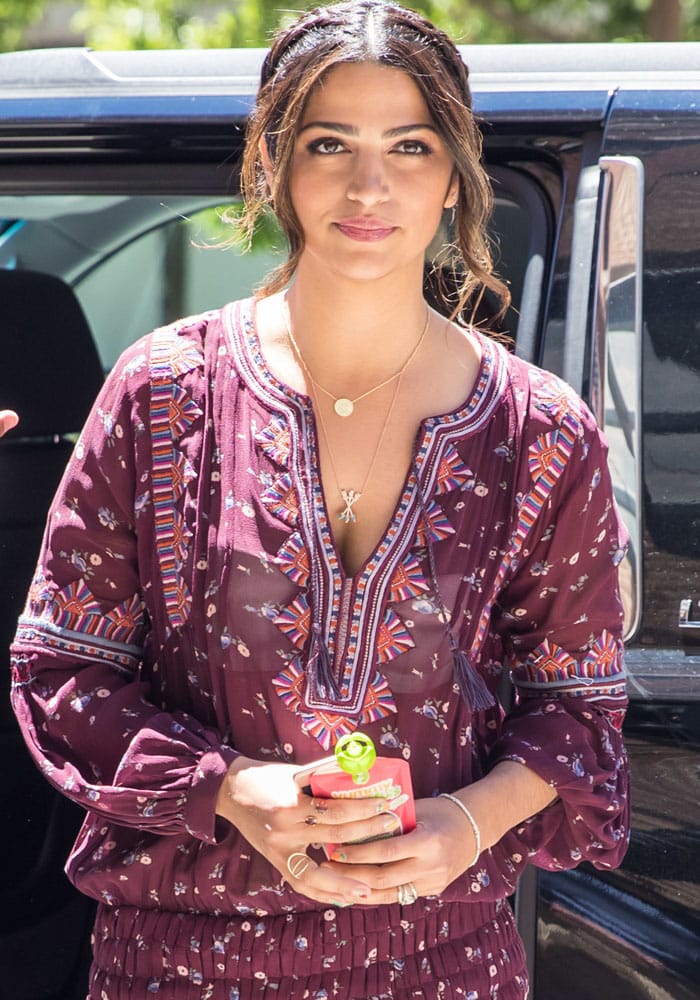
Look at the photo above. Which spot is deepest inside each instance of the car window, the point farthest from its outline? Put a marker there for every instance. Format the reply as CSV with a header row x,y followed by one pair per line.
x,y
136,262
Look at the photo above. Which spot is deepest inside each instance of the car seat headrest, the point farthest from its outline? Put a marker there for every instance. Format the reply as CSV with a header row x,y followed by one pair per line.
x,y
50,371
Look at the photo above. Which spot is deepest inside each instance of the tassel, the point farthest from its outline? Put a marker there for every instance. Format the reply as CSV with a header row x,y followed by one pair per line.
x,y
319,672
472,686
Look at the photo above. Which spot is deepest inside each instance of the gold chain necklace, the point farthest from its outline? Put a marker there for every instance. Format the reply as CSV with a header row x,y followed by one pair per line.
x,y
343,405
351,496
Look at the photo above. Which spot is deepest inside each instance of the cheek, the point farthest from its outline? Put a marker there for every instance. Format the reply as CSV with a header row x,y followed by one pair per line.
x,y
307,189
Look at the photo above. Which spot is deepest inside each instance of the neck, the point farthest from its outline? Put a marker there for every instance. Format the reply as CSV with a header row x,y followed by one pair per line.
x,y
358,330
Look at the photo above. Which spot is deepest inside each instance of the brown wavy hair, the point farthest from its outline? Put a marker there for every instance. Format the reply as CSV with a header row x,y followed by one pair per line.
x,y
358,31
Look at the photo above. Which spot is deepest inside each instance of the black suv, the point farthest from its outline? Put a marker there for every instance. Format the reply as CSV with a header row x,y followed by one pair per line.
x,y
113,168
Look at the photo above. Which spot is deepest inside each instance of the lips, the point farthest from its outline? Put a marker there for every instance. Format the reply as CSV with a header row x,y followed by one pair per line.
x,y
365,229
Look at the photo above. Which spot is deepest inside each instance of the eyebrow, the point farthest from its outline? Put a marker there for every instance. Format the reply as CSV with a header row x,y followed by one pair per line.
x,y
390,133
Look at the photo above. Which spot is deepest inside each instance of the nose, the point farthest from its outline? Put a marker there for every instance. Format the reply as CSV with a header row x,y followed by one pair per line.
x,y
368,182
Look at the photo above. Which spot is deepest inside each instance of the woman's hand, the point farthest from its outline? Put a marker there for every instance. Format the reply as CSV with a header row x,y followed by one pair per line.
x,y
264,802
8,420
443,844
429,858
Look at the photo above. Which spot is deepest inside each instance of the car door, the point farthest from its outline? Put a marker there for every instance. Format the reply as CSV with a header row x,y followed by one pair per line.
x,y
635,933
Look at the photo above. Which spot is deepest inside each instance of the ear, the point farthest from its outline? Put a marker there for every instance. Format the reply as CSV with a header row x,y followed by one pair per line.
x,y
452,196
266,161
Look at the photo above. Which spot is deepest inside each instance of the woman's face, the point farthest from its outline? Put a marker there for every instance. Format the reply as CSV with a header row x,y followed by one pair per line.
x,y
370,175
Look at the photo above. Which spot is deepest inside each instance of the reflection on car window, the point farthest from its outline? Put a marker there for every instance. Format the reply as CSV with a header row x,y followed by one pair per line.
x,y
138,262
180,268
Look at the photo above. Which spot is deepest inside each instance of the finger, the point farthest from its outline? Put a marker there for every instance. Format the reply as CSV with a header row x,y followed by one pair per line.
x,y
338,812
383,850
373,828
405,894
386,882
8,420
322,884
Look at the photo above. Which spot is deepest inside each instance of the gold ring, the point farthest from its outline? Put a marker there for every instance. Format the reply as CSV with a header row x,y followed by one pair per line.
x,y
320,805
311,821
407,894
297,863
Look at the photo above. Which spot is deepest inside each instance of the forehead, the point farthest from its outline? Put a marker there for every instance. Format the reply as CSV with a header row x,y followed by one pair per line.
x,y
353,93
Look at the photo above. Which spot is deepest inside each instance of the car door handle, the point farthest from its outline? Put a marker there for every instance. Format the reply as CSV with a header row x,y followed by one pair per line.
x,y
685,619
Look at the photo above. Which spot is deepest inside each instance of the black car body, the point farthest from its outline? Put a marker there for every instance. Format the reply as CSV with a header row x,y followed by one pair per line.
x,y
110,166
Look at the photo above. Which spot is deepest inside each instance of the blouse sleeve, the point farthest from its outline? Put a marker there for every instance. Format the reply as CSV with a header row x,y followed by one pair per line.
x,y
561,622
78,693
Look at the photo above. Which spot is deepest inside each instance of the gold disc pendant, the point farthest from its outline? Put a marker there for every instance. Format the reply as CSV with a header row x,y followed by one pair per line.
x,y
344,407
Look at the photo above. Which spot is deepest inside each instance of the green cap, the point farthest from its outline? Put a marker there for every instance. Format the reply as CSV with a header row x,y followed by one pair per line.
x,y
355,754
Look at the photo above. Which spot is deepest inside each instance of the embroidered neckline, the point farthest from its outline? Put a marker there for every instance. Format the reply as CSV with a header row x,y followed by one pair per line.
x,y
342,627
241,314
241,331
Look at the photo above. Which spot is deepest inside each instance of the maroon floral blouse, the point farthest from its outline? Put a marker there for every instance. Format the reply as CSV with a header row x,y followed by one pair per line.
x,y
189,604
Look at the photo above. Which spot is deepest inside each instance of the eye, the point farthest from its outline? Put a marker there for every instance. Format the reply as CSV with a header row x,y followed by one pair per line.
x,y
326,146
413,147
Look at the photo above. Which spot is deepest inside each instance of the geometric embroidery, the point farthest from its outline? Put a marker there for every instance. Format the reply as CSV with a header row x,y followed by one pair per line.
x,y
123,620
290,684
183,354
452,472
74,602
548,456
171,413
556,401
408,581
327,726
549,662
274,440
439,526
598,674
181,472
183,411
281,500
73,608
294,621
547,459
293,559
393,638
603,658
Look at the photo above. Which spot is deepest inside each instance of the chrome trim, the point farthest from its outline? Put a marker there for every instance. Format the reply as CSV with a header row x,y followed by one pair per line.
x,y
583,249
668,674
615,376
685,615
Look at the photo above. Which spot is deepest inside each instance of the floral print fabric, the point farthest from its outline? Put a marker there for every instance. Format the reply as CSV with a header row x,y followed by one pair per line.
x,y
189,605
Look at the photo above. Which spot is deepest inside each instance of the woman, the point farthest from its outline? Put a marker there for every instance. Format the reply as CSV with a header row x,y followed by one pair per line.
x,y
329,508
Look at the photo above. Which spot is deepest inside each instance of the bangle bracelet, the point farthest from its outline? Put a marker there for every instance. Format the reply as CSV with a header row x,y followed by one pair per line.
x,y
472,822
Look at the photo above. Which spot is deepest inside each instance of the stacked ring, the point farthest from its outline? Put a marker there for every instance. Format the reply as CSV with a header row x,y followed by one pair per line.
x,y
297,863
407,894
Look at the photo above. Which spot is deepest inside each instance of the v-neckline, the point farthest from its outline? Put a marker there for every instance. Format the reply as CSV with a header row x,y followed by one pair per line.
x,y
264,377
348,613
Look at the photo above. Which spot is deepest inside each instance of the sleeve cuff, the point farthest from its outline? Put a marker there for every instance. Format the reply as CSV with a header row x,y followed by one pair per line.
x,y
200,817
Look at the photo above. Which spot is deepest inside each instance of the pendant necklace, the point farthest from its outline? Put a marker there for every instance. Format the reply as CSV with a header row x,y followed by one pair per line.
x,y
344,406
351,496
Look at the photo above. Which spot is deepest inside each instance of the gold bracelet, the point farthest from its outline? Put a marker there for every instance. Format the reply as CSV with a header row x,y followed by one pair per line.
x,y
472,822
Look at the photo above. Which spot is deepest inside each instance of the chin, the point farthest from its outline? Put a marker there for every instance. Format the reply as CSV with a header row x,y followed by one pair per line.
x,y
364,267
